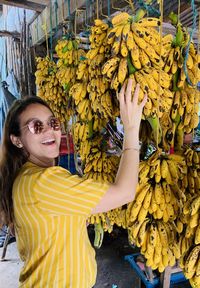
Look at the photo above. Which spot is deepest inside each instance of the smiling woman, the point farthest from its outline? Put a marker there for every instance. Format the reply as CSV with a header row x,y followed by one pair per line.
x,y
48,205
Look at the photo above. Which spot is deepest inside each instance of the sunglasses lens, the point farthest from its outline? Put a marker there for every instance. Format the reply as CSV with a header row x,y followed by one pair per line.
x,y
55,124
35,127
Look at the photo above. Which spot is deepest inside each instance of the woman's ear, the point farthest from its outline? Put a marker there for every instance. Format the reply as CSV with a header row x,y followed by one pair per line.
x,y
16,141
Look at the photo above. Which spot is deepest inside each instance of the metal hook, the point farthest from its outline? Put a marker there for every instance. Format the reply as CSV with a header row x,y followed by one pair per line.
x,y
115,8
102,10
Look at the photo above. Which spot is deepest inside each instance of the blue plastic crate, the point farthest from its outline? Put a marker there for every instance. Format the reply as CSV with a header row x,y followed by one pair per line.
x,y
176,278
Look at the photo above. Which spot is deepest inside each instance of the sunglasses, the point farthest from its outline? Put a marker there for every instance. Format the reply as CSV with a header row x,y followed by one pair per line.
x,y
36,126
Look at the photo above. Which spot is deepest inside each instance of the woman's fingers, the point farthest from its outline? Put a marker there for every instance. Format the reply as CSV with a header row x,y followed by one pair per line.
x,y
128,90
144,101
121,95
136,94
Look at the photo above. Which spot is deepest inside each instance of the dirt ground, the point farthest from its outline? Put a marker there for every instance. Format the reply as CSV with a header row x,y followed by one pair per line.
x,y
113,270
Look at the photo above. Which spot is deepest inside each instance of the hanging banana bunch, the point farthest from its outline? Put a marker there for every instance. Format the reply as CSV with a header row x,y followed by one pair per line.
x,y
49,88
69,58
157,240
190,264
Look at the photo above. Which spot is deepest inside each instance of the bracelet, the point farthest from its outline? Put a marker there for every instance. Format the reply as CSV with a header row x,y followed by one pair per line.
x,y
136,149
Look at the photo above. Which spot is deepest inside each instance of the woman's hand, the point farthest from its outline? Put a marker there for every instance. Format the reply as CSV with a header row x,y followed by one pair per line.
x,y
130,111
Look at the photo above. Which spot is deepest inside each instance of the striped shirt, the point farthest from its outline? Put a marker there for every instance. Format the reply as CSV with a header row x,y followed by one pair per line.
x,y
51,207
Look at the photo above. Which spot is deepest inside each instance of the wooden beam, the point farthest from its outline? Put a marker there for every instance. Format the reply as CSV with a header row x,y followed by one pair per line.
x,y
24,4
44,2
4,33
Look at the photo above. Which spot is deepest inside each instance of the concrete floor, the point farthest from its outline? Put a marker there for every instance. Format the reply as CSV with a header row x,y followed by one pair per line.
x,y
113,270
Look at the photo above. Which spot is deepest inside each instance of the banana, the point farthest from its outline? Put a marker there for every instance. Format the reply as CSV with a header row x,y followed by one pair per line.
x,y
122,70
142,232
144,58
113,62
125,31
194,220
195,205
164,168
120,18
130,43
142,214
149,22
135,57
190,263
147,200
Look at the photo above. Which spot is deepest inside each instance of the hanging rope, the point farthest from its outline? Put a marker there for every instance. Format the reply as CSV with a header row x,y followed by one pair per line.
x,y
51,33
37,29
68,6
189,42
160,68
56,13
108,4
179,10
97,8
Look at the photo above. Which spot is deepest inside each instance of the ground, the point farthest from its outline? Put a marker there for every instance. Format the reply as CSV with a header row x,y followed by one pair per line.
x,y
113,270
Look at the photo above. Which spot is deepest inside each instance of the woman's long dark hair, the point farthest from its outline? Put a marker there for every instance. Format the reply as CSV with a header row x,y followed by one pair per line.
x,y
12,158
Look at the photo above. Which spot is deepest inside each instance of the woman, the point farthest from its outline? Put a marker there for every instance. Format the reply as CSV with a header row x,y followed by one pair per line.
x,y
48,205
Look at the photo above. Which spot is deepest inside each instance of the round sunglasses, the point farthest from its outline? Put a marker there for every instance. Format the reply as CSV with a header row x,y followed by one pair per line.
x,y
36,126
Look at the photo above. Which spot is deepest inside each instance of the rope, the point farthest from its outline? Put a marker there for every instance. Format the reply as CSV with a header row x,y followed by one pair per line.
x,y
179,10
68,7
160,68
51,33
97,1
37,29
189,42
56,13
86,12
108,4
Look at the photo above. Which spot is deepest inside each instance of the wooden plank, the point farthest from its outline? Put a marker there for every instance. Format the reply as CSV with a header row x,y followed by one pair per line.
x,y
24,4
44,2
4,33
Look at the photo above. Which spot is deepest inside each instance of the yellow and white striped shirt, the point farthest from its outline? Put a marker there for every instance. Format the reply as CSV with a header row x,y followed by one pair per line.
x,y
51,207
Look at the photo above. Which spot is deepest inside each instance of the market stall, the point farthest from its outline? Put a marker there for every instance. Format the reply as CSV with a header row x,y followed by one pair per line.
x,y
89,56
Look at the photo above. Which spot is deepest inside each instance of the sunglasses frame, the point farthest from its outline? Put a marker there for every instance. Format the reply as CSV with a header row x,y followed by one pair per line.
x,y
32,129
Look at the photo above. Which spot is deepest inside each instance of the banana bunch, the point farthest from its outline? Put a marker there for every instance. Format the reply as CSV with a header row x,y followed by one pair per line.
x,y
108,219
191,209
98,41
66,76
70,57
84,109
100,166
68,52
82,71
157,240
49,88
78,92
193,164
174,62
80,131
135,38
151,80
190,263
158,192
185,104
184,243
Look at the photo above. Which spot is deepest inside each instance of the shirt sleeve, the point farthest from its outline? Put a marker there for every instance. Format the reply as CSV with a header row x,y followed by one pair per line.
x,y
60,193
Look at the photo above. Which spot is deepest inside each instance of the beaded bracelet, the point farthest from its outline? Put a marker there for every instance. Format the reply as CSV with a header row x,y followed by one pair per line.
x,y
136,149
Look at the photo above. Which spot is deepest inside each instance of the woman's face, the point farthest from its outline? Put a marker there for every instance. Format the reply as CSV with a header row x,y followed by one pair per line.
x,y
42,147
